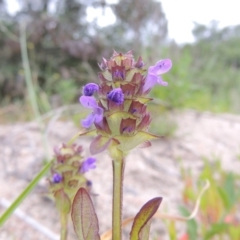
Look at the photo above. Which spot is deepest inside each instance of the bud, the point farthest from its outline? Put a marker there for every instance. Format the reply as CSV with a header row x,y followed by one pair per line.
x,y
116,95
57,178
90,89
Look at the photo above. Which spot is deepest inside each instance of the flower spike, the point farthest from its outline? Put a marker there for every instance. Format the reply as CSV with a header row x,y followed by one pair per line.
x,y
119,111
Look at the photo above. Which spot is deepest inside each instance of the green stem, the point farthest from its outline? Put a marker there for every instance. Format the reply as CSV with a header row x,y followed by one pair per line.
x,y
29,82
24,194
64,220
118,170
27,70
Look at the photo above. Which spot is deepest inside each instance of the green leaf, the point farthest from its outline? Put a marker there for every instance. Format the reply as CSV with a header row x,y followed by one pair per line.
x,y
192,227
224,197
140,226
84,218
172,230
217,228
230,189
144,233
63,203
234,232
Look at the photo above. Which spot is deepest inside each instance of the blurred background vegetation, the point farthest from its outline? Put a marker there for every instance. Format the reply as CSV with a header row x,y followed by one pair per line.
x,y
64,47
49,49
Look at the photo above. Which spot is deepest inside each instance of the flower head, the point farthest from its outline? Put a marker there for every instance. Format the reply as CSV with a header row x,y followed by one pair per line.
x,y
96,115
116,95
120,109
67,175
89,163
152,78
90,89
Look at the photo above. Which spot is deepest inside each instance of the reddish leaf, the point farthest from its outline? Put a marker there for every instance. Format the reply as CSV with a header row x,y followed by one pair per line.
x,y
99,144
84,218
140,221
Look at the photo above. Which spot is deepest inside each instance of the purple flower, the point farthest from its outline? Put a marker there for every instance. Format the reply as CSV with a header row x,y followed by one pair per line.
x,y
89,163
90,89
96,115
116,95
152,78
57,178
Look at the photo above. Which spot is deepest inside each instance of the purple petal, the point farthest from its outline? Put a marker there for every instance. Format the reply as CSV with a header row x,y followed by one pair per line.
x,y
90,89
89,163
161,82
161,67
98,114
88,121
151,80
88,102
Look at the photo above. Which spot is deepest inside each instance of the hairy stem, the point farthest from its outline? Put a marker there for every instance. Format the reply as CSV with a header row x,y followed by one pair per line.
x,y
118,170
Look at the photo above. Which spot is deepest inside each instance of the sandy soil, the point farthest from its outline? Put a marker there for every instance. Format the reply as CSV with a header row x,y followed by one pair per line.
x,y
149,172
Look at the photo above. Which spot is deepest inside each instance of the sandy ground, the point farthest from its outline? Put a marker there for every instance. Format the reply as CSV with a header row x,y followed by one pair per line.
x,y
149,172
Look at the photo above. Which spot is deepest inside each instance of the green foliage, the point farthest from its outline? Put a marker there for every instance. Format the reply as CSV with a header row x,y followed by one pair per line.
x,y
67,89
205,75
219,206
59,46
172,230
178,90
192,226
162,123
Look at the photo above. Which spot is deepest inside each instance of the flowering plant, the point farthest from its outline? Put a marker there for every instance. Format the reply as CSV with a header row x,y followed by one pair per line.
x,y
119,114
120,121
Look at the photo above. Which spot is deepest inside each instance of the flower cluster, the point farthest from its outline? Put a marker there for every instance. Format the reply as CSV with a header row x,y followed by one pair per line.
x,y
67,170
119,103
